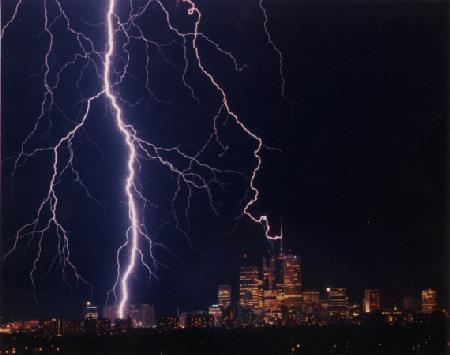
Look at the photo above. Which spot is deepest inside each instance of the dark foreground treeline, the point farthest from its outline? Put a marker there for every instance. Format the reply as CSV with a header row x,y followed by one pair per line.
x,y
382,339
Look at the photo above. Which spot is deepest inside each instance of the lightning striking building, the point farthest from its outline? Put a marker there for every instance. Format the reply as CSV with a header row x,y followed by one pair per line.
x,y
106,70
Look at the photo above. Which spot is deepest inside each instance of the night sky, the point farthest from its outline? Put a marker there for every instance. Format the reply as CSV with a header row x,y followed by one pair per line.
x,y
358,174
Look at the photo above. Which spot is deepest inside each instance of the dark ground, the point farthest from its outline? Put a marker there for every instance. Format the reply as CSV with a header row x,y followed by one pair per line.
x,y
383,339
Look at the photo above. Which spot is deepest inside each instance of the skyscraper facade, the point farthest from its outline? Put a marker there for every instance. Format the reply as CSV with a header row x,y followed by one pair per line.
x,y
337,301
429,301
224,295
371,300
270,301
269,272
90,311
292,281
279,276
250,287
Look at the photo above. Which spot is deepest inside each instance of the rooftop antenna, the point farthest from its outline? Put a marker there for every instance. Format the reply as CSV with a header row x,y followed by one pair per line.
x,y
281,235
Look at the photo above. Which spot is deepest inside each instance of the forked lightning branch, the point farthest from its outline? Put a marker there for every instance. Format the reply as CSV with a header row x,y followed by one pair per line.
x,y
137,246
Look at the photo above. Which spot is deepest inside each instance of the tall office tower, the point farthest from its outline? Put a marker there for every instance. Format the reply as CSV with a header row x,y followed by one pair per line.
x,y
279,276
250,287
270,301
90,311
269,270
429,301
371,301
337,301
292,280
224,295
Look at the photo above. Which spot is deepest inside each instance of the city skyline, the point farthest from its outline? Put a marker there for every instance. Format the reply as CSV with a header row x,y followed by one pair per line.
x,y
349,103
270,286
260,286
272,303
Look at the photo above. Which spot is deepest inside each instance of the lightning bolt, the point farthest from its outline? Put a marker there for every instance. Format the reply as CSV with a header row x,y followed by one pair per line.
x,y
110,69
277,50
262,219
130,140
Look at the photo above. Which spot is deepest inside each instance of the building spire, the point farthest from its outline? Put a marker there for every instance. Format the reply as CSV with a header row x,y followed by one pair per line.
x,y
281,235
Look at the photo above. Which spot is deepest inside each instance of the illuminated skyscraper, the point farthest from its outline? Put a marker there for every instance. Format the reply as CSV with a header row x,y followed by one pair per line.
x,y
285,272
371,301
279,276
429,301
279,270
269,272
337,301
250,287
224,295
292,280
270,301
90,311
